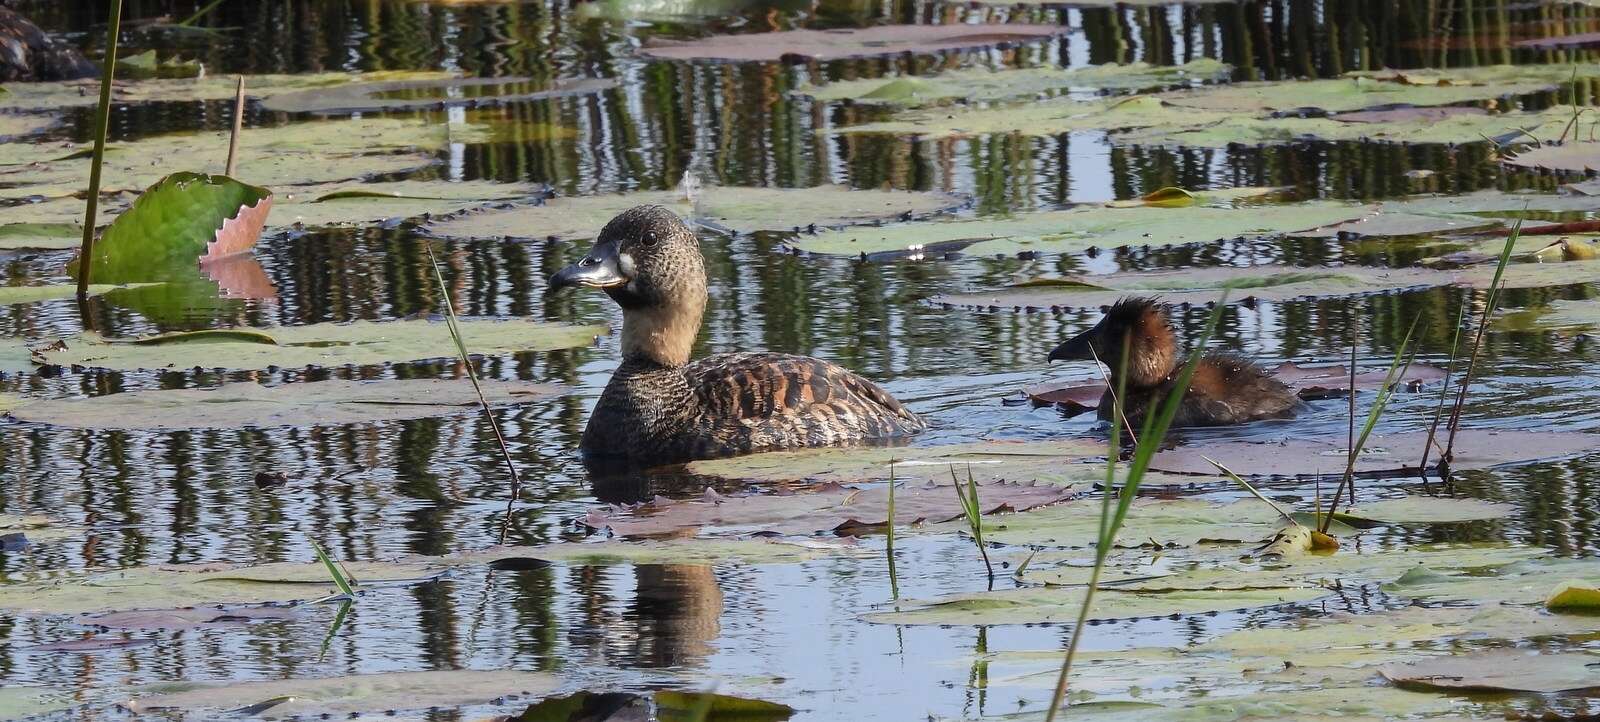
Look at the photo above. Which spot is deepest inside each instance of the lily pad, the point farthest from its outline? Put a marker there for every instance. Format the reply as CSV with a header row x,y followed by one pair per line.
x,y
978,84
1523,583
1050,462
1574,597
54,223
336,204
16,125
238,405
828,508
342,696
1383,454
732,209
187,218
34,294
1043,118
325,344
390,95
1572,157
50,96
188,617
1080,229
15,357
1201,286
1454,129
1062,605
814,45
1341,94
1499,670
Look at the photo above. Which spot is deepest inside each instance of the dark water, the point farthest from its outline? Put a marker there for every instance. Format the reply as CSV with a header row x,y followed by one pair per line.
x,y
790,632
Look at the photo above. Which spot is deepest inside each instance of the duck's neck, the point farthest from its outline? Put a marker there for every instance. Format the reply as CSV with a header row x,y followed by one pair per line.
x,y
662,334
1153,355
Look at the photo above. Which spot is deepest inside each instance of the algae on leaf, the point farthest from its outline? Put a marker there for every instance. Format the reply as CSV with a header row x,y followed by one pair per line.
x,y
733,209
323,344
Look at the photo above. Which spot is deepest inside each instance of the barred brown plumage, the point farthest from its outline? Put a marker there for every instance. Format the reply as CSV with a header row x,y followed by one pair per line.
x,y
660,408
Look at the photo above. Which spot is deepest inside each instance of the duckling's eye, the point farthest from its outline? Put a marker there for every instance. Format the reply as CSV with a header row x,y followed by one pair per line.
x,y
649,240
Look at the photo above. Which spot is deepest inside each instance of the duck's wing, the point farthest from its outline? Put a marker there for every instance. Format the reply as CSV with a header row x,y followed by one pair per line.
x,y
789,400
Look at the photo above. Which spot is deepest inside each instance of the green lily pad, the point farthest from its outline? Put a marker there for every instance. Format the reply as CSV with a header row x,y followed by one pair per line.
x,y
238,405
412,94
15,357
1034,606
184,219
336,204
1202,286
54,223
1525,583
341,696
1481,75
735,209
979,84
148,64
1050,462
20,702
1574,597
1043,118
1499,670
1341,94
16,125
813,45
1456,129
86,93
294,154
1181,523
1080,229
34,294
323,344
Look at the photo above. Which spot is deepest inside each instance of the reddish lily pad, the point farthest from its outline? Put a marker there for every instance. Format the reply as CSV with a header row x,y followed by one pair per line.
x,y
1385,454
830,507
813,45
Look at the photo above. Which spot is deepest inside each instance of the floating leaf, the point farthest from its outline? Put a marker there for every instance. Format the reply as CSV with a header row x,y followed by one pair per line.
x,y
1043,118
729,208
147,65
1523,583
15,125
1455,129
324,344
321,403
343,696
980,84
343,204
35,294
1080,229
50,96
1475,449
715,707
391,95
1573,157
991,461
54,223
188,617
1034,606
1341,94
1499,670
1574,596
1203,286
184,219
814,45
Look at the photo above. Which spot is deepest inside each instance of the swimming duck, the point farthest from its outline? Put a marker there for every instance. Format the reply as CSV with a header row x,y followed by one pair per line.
x,y
660,408
1226,389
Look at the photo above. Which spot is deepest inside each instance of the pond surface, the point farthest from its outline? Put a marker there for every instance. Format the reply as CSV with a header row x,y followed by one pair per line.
x,y
790,633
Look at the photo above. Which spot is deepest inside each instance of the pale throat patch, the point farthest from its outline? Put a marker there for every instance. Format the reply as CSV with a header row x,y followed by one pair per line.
x,y
664,334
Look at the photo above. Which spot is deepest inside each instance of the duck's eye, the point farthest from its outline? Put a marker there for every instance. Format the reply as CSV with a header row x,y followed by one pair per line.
x,y
649,239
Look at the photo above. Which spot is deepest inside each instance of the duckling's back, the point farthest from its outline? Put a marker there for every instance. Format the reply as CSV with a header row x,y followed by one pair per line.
x,y
1226,389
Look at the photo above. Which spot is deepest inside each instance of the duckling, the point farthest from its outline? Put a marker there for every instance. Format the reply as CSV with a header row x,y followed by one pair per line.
x,y
660,408
1226,389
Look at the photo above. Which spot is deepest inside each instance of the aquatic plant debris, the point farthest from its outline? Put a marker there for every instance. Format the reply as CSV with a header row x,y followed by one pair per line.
x,y
728,208
238,405
814,45
978,84
323,344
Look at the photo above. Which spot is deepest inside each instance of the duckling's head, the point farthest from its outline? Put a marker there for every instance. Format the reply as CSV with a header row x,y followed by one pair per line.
x,y
1137,324
649,262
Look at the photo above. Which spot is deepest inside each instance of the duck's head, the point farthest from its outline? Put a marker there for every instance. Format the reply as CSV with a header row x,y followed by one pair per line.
x,y
649,262
1136,324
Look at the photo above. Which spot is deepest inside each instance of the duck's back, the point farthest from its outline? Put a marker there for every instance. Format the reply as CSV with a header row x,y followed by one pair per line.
x,y
1226,389
765,401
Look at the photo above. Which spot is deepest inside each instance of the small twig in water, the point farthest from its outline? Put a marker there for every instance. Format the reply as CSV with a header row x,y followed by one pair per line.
x,y
472,374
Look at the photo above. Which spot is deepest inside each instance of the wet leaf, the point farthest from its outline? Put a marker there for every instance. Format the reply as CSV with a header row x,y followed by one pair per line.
x,y
343,696
1303,457
391,95
35,294
1083,228
187,617
979,84
184,219
1574,597
1041,118
1203,286
814,45
15,125
733,209
1525,583
1033,606
1453,129
240,405
1573,157
1342,94
344,204
1499,670
827,508
674,704
323,344
49,96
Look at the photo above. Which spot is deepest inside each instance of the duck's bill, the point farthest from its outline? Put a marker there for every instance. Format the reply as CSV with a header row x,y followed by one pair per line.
x,y
592,272
1075,349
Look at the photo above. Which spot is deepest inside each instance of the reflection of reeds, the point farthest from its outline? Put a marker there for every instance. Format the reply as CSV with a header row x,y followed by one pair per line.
x,y
472,375
1151,434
